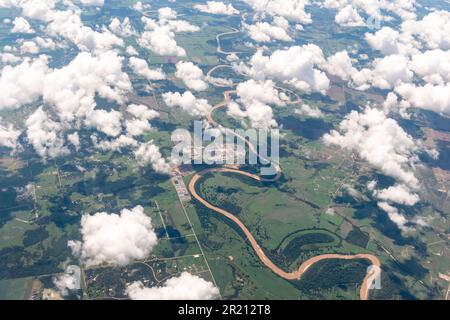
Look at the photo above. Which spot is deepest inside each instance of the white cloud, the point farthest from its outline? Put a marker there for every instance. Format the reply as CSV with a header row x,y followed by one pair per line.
x,y
45,135
108,122
74,139
123,28
261,91
29,47
68,24
181,26
9,58
70,280
432,66
188,102
71,89
260,115
398,193
349,17
8,136
130,50
217,7
387,73
405,9
256,96
396,217
141,68
340,64
98,3
428,97
295,66
117,144
116,239
22,84
290,9
191,75
309,111
139,6
265,32
380,141
162,42
21,25
234,110
385,40
139,124
140,111
148,153
167,13
433,29
41,10
184,287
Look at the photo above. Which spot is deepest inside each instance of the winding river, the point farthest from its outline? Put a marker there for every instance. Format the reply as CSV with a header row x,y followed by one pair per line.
x,y
294,275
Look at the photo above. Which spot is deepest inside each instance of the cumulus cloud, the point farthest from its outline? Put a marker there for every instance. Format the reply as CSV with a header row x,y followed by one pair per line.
x,y
98,3
386,40
405,9
398,193
115,239
395,216
116,144
260,115
296,66
309,111
68,25
69,281
217,7
130,50
387,73
29,47
262,91
167,13
428,97
349,17
162,42
148,153
256,98
432,30
45,135
22,84
290,9
191,75
21,25
265,32
380,141
69,96
122,28
340,64
433,66
72,89
8,136
141,68
188,102
139,123
74,139
184,287
159,36
108,122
